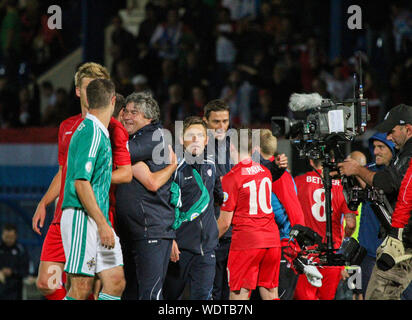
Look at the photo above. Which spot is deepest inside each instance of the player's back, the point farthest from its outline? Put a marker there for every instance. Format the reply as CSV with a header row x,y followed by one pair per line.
x,y
311,194
247,191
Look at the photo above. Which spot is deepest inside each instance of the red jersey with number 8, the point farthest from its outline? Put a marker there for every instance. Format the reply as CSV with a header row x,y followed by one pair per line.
x,y
247,190
311,194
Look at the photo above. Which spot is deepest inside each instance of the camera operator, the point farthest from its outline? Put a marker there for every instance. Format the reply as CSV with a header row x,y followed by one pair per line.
x,y
398,125
382,152
391,283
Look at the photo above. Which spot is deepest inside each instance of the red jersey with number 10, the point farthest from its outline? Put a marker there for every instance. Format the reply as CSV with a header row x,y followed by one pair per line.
x,y
311,194
247,190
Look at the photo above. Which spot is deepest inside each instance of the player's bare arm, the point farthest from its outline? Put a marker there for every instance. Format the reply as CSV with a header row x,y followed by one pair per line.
x,y
350,224
152,181
50,196
86,196
122,174
224,221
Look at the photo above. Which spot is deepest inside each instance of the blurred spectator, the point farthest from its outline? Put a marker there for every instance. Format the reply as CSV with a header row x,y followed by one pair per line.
x,y
14,265
265,108
29,107
199,100
48,94
122,38
199,18
259,72
268,20
281,89
8,104
311,59
396,85
148,25
240,9
192,72
140,83
402,27
168,35
10,37
122,77
339,87
30,18
55,113
375,105
147,63
168,76
48,45
319,86
225,45
175,108
238,94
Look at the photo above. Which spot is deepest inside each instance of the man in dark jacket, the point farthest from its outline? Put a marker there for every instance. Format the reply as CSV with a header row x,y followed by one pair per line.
x,y
193,195
144,215
398,126
389,284
217,118
382,151
14,265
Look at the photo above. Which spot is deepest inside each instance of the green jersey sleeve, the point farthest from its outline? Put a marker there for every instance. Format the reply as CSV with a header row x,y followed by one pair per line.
x,y
88,143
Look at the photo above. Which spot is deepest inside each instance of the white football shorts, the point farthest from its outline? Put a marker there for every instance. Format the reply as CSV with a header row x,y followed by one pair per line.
x,y
84,252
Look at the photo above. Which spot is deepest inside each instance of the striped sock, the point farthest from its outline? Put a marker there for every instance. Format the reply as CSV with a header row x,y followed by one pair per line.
x,y
68,298
105,296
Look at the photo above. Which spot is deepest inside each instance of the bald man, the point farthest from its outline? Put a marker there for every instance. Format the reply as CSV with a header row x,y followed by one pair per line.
x,y
359,157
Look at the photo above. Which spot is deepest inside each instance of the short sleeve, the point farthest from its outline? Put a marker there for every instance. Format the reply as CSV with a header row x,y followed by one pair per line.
x,y
230,193
120,147
85,146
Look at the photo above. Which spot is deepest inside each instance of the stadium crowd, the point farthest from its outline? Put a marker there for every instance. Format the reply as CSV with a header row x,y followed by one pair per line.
x,y
187,52
235,70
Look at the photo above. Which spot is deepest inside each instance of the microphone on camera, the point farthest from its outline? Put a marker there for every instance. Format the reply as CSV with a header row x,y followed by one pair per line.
x,y
304,101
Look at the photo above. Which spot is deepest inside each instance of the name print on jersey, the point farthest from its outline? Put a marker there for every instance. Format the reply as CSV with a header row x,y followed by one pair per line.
x,y
252,170
318,180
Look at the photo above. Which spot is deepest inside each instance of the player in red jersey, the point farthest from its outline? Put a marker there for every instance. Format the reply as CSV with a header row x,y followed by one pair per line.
x,y
311,194
119,138
254,255
49,280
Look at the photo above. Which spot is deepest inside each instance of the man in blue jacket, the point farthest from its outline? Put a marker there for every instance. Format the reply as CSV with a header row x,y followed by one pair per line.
x,y
144,215
382,151
195,190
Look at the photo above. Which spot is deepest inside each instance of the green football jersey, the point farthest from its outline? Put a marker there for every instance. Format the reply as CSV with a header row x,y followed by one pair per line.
x,y
89,158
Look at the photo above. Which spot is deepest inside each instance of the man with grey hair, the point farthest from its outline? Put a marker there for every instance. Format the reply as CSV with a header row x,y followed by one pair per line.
x,y
144,215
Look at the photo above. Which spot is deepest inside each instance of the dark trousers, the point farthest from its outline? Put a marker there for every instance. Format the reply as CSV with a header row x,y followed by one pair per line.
x,y
145,266
287,280
198,271
367,265
220,285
